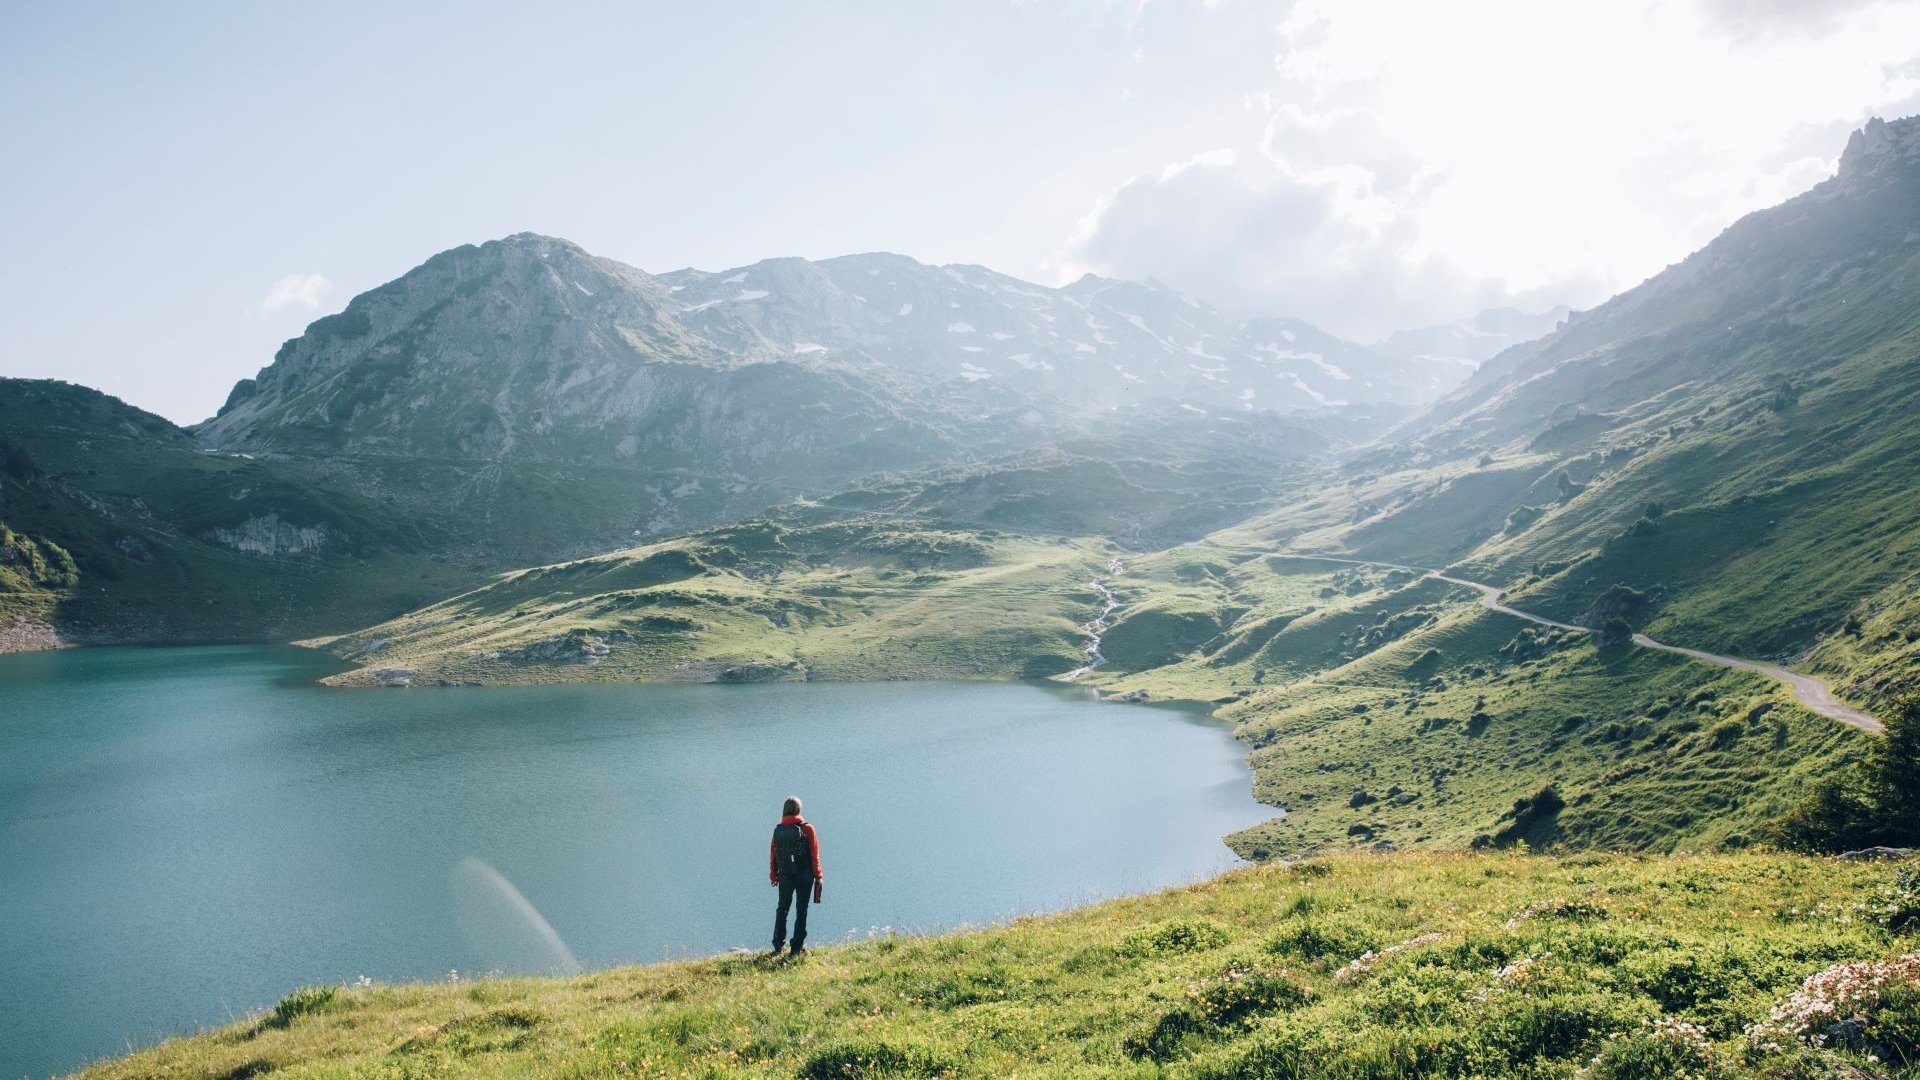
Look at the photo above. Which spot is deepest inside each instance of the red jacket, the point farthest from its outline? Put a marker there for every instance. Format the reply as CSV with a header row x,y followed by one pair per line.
x,y
813,844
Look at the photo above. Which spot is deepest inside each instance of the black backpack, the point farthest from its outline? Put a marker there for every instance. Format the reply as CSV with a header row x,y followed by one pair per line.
x,y
791,853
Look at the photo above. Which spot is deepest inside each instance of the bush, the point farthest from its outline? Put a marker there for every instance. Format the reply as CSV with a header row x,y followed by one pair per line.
x,y
1878,802
1174,939
1870,1007
1661,1049
868,1059
1682,980
1230,1002
1526,1027
1838,815
302,1002
1533,818
1896,905
1317,938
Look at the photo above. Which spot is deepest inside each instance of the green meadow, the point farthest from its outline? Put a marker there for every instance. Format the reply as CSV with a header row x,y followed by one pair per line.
x,y
1354,967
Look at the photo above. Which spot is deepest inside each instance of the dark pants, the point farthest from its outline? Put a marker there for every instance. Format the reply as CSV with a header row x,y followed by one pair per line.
x,y
792,889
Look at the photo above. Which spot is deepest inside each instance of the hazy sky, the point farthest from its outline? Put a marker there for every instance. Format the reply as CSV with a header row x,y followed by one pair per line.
x,y
183,186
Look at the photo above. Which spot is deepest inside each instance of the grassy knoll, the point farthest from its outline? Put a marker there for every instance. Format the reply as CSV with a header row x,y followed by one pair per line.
x,y
761,601
1357,966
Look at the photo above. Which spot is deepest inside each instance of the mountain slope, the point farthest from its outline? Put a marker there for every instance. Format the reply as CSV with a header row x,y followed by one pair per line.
x,y
1727,455
1471,342
120,527
563,404
553,401
1093,346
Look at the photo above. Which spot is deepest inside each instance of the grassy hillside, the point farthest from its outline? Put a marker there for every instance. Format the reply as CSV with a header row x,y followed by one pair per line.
x,y
1386,706
33,573
1726,455
1353,968
115,525
872,599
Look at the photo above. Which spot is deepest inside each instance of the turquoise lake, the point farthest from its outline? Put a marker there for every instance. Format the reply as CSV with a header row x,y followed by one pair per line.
x,y
188,834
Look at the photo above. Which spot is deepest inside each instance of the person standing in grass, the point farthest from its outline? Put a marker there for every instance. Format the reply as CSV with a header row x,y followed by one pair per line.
x,y
793,866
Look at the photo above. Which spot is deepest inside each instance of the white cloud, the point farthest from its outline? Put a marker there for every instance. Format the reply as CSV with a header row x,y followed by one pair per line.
x,y
1419,158
1258,240
303,292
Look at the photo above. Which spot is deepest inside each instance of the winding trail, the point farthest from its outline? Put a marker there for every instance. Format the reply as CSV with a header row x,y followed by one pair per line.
x,y
1811,692
1097,627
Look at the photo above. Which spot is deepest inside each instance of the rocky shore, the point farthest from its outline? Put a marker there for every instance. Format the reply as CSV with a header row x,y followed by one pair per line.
x,y
21,634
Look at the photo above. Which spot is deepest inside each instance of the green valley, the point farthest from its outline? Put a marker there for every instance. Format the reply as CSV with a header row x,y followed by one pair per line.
x,y
1362,542
1723,458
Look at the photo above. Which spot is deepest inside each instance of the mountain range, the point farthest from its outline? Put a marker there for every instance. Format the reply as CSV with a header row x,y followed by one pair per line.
x,y
520,462
521,400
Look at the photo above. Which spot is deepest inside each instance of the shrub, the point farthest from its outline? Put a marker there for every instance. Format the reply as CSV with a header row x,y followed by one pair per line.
x,y
1837,815
1215,1006
1533,817
867,1059
1896,905
1725,734
1526,1027
1661,1049
302,1002
1878,802
1174,938
1682,979
1870,1005
1317,938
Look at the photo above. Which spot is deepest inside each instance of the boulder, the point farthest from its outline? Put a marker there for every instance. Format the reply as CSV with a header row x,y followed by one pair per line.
x,y
393,676
1873,853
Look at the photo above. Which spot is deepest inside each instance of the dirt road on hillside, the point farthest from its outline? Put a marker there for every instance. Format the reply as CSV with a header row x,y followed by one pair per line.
x,y
1811,692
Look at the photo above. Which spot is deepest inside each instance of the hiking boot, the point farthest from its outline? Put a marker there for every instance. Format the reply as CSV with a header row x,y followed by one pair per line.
x,y
798,950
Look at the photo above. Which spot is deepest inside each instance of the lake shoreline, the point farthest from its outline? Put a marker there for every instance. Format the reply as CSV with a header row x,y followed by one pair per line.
x,y
255,833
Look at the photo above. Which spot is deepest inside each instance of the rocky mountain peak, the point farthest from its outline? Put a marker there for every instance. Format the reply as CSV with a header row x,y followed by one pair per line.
x,y
1879,145
536,243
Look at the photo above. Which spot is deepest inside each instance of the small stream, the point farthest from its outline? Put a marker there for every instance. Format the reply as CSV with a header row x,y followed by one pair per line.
x,y
1097,628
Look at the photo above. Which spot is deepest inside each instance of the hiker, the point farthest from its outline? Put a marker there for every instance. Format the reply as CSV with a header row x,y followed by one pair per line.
x,y
793,863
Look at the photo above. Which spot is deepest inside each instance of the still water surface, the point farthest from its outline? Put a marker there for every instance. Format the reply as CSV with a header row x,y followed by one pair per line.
x,y
188,834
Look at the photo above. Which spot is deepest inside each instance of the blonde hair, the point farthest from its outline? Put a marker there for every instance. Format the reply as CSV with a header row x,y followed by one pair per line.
x,y
792,806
